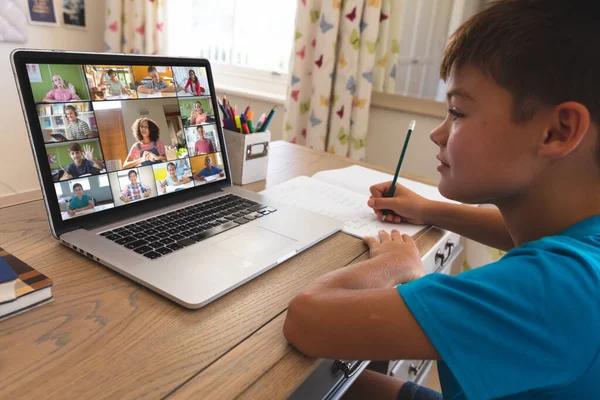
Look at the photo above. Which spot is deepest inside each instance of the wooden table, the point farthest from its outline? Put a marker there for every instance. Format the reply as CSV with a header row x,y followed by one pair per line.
x,y
105,336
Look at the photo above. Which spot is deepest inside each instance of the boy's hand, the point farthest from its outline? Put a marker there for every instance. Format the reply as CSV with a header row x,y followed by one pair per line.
x,y
88,152
406,205
398,250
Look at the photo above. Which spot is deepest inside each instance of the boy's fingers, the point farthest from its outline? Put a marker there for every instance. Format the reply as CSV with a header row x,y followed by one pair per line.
x,y
384,236
382,203
370,241
380,189
407,238
396,235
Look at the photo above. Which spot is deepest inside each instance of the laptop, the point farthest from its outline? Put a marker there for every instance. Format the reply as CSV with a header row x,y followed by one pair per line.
x,y
130,181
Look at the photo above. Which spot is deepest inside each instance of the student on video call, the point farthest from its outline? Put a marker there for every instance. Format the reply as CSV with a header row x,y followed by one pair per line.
x,y
148,149
77,129
203,145
194,84
134,191
172,178
115,86
156,84
60,91
209,170
80,165
80,202
198,115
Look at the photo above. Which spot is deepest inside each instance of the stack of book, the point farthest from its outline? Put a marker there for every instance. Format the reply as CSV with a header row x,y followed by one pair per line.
x,y
21,286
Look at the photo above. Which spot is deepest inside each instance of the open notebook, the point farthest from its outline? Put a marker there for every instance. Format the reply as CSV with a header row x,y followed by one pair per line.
x,y
343,194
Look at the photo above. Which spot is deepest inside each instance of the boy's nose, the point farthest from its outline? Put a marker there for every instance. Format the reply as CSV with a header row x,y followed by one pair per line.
x,y
439,135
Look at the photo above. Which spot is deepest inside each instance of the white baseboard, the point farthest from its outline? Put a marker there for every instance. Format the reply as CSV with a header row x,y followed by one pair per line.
x,y
18,198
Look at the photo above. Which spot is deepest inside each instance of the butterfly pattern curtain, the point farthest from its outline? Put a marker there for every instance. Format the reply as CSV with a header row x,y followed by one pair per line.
x,y
336,56
135,26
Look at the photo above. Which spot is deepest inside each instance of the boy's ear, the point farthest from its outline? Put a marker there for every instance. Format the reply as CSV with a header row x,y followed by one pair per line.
x,y
570,122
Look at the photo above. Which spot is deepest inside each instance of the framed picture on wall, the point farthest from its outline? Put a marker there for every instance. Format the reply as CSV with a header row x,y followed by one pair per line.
x,y
73,13
41,12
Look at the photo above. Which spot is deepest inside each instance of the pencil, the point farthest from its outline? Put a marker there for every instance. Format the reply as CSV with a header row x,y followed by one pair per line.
x,y
390,193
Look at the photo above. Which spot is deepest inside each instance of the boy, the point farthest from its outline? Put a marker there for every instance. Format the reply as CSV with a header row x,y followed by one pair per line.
x,y
134,191
203,145
156,84
522,133
209,170
80,166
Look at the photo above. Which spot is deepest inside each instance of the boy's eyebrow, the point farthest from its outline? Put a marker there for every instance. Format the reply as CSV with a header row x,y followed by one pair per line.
x,y
459,93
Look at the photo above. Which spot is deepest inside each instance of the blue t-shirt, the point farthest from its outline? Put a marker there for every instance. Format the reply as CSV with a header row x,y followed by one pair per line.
x,y
86,167
75,203
209,172
524,327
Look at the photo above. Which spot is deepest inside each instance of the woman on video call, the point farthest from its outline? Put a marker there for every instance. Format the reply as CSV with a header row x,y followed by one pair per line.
x,y
60,91
148,149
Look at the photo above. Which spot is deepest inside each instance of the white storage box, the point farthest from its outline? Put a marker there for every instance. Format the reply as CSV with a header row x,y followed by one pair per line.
x,y
248,156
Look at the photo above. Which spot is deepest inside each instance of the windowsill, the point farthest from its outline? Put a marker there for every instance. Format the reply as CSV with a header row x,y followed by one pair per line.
x,y
409,104
252,84
237,90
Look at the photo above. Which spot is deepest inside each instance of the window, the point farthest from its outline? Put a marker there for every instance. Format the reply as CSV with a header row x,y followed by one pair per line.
x,y
58,189
251,40
425,28
103,180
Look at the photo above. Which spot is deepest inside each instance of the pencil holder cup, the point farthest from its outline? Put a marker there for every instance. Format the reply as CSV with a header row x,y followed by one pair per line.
x,y
248,156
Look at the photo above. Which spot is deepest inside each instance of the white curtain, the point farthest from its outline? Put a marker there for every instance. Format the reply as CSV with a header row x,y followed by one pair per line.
x,y
338,55
135,26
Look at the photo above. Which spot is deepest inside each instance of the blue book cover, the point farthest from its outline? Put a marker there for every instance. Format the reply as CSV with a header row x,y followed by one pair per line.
x,y
6,272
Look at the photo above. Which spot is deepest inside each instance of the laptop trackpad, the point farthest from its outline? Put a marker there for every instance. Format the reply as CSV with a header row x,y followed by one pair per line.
x,y
254,243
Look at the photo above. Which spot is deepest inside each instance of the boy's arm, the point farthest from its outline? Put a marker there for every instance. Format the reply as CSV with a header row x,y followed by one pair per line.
x,y
98,164
144,89
356,313
484,225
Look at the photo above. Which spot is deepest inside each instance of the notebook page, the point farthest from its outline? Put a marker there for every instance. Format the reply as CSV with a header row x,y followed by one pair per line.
x,y
360,179
336,202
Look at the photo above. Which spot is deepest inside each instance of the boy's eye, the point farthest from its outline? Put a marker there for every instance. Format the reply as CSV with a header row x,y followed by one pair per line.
x,y
455,114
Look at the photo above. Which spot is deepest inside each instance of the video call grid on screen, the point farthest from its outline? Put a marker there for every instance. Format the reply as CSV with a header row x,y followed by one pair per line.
x,y
118,134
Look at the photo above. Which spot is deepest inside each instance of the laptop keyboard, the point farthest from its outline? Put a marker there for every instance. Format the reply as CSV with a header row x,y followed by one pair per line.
x,y
161,235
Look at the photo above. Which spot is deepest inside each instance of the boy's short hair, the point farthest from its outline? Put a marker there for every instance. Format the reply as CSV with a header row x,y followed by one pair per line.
x,y
151,69
74,147
75,186
541,51
110,72
70,107
133,171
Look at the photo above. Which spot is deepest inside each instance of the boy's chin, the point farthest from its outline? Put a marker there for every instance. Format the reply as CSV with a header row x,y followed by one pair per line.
x,y
453,191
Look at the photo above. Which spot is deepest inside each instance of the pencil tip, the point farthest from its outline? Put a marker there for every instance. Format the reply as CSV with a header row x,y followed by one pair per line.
x,y
412,125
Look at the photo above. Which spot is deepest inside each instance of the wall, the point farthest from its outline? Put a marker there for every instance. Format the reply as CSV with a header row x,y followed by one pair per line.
x,y
387,131
15,151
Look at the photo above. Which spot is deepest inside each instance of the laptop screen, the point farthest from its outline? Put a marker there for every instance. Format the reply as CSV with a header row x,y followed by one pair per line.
x,y
115,135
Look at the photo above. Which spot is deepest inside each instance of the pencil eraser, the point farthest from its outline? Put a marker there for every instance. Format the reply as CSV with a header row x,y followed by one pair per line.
x,y
412,125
